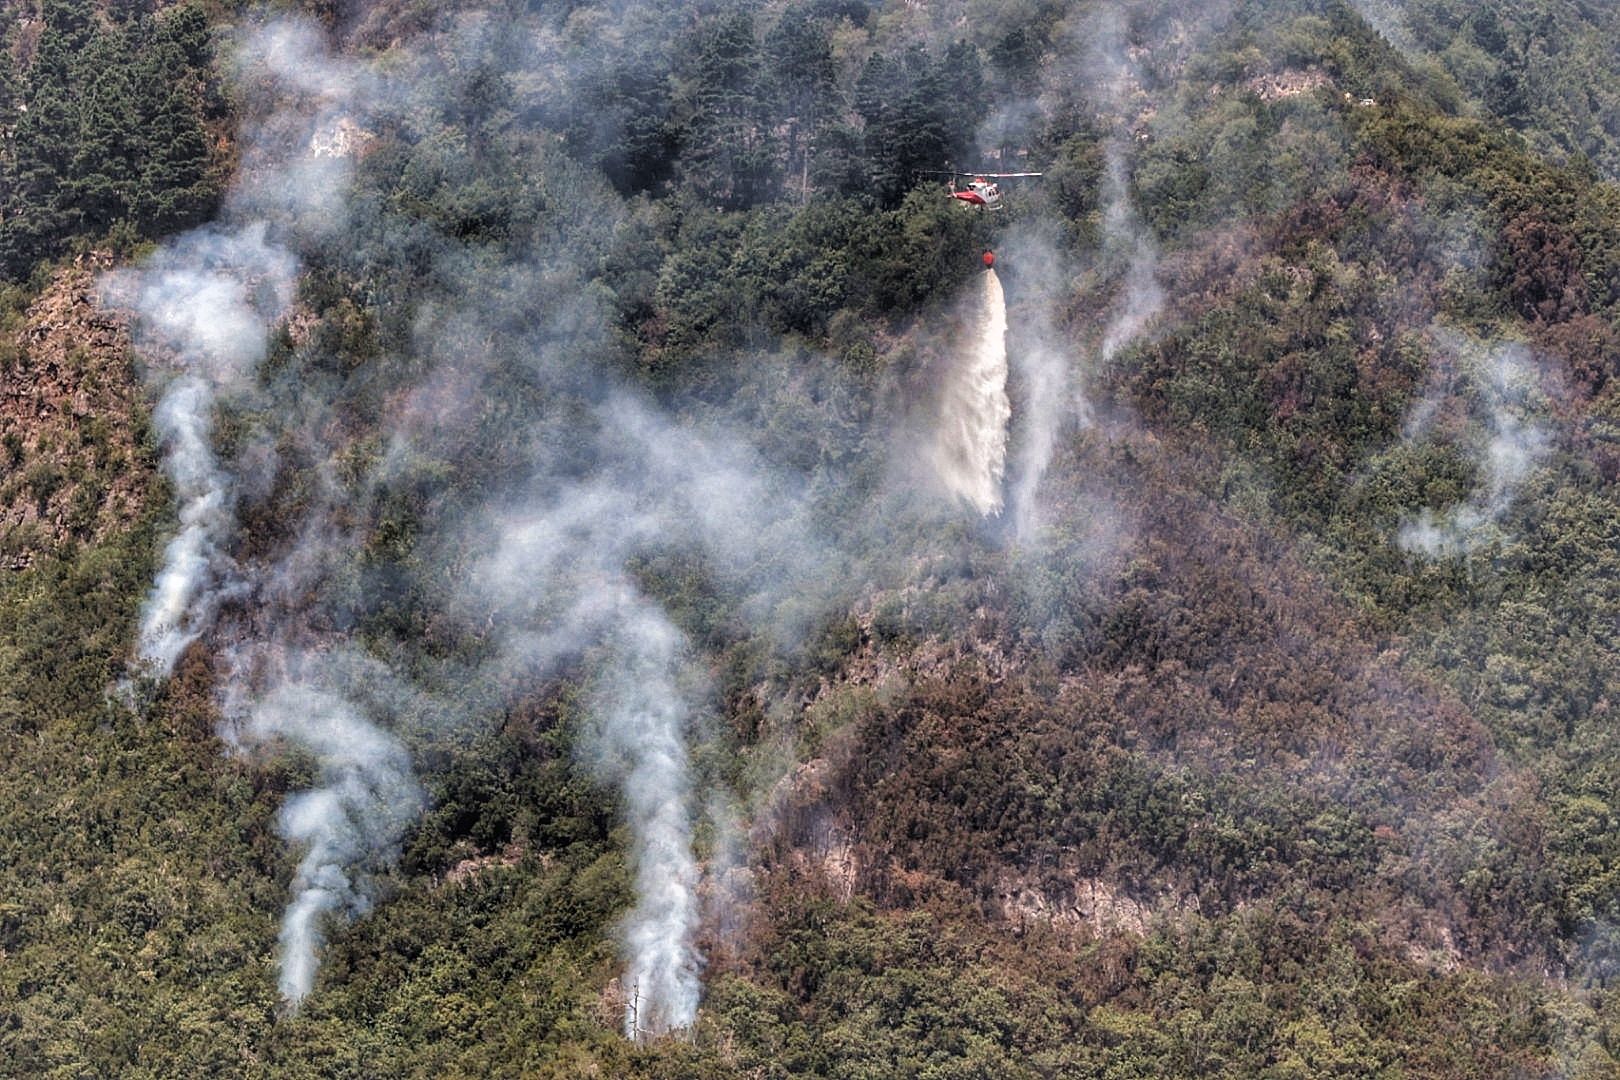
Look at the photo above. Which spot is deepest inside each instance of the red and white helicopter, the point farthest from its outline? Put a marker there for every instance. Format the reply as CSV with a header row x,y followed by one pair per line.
x,y
981,191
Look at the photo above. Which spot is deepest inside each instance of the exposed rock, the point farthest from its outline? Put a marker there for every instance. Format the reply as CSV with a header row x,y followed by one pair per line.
x,y
813,839
340,139
1434,946
75,470
469,868
1291,82
1088,902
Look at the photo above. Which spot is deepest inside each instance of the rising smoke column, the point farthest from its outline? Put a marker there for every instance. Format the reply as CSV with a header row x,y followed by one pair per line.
x,y
556,576
181,602
292,686
1046,363
559,580
1055,394
639,716
637,733
1507,379
206,302
642,740
349,825
1124,234
970,447
204,306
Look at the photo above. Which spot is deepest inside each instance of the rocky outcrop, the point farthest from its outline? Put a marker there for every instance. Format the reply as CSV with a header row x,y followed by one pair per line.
x,y
1292,82
75,469
1093,903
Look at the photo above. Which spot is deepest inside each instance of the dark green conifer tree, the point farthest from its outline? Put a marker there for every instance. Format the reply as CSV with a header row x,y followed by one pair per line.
x,y
173,187
801,84
907,106
33,213
109,141
105,126
729,153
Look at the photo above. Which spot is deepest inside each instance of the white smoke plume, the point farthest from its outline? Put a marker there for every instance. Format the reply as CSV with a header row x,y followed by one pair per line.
x,y
1124,233
1055,394
639,722
559,576
640,717
286,685
1051,391
208,300
1508,384
970,444
1125,238
558,570
349,825
642,741
181,602
204,306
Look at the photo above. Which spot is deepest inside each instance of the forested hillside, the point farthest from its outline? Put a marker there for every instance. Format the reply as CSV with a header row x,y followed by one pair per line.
x,y
1547,69
483,590
106,115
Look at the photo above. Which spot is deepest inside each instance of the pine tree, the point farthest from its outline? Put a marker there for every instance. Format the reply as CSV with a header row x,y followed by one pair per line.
x,y
105,126
33,214
729,155
801,81
10,94
877,93
904,104
172,189
109,141
69,26
642,154
33,210
961,71
10,98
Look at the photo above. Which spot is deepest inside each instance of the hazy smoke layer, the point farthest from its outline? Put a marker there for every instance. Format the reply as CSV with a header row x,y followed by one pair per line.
x,y
211,299
496,409
970,449
350,823
1386,17
1507,379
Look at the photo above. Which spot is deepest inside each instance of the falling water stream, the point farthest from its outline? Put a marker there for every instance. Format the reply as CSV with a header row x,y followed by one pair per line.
x,y
970,450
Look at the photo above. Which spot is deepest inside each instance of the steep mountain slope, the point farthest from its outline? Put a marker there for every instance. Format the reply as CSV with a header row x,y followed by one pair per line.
x,y
581,671
1546,68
